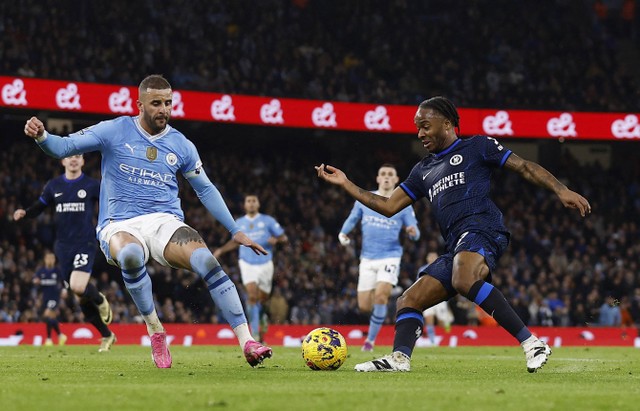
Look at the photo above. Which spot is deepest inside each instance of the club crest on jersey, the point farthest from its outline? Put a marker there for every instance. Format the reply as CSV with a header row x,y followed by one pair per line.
x,y
172,159
455,160
82,193
152,153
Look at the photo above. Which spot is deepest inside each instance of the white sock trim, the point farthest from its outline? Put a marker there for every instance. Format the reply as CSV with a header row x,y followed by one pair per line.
x,y
153,323
243,334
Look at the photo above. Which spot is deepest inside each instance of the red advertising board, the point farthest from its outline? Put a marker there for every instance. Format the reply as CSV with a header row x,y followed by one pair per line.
x,y
39,94
290,335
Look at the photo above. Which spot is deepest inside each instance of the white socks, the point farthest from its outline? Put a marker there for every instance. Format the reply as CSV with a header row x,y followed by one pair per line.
x,y
243,334
153,323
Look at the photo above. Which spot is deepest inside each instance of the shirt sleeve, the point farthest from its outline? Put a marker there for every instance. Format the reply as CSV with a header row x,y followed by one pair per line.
x,y
212,200
45,200
494,153
84,141
191,164
354,216
275,228
413,186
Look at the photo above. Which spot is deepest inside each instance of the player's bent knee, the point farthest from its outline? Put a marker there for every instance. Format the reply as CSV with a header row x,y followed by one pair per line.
x,y
77,289
410,298
202,261
78,282
131,256
461,285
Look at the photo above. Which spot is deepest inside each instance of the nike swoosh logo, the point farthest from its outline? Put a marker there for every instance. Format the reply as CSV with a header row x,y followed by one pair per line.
x,y
425,176
57,194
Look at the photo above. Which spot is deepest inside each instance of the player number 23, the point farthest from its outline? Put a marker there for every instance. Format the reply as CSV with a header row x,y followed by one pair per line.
x,y
80,260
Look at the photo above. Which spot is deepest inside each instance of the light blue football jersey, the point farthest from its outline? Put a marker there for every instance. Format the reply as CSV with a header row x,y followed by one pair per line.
x,y
259,229
138,169
380,234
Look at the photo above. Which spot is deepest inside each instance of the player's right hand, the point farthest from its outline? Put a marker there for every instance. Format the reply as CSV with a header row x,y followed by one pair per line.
x,y
344,239
242,239
18,214
331,174
34,128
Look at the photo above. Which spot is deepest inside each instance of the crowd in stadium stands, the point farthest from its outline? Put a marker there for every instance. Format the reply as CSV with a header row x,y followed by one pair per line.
x,y
550,54
559,270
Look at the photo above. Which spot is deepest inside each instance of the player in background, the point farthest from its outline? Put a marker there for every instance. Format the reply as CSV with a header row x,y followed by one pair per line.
x,y
74,196
47,279
140,214
381,251
256,269
455,176
440,312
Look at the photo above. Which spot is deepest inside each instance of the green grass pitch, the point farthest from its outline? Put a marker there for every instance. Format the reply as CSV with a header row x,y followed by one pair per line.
x,y
218,378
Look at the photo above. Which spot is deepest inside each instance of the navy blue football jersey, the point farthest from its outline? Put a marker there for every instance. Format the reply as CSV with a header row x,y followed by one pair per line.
x,y
74,203
49,283
457,182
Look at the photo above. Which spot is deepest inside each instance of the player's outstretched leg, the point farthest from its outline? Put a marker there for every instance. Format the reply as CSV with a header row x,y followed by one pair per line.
x,y
409,323
225,296
491,300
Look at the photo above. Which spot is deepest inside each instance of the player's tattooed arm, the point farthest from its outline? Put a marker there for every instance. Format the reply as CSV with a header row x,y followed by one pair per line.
x,y
537,174
385,206
534,173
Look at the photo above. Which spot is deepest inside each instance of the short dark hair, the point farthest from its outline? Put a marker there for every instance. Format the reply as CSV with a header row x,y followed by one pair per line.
x,y
445,107
388,165
154,82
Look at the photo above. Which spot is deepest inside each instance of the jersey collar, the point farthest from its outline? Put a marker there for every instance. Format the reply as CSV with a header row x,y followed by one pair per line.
x,y
448,149
80,177
148,136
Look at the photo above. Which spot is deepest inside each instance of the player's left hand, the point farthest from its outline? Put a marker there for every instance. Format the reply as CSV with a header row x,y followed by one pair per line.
x,y
331,174
411,232
242,239
571,199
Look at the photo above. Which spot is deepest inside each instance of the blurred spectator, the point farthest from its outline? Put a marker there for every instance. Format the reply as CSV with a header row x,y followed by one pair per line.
x,y
610,313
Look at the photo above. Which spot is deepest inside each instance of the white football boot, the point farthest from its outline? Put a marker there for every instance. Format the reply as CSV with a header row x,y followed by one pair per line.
x,y
396,362
537,353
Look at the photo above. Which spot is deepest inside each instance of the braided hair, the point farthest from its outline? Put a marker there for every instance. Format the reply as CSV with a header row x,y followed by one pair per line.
x,y
445,107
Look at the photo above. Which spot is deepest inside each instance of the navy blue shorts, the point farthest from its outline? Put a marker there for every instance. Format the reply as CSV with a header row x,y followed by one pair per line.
x,y
50,300
490,245
75,257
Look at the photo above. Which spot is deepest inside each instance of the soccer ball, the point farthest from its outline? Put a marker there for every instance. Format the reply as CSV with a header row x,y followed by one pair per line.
x,y
324,349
